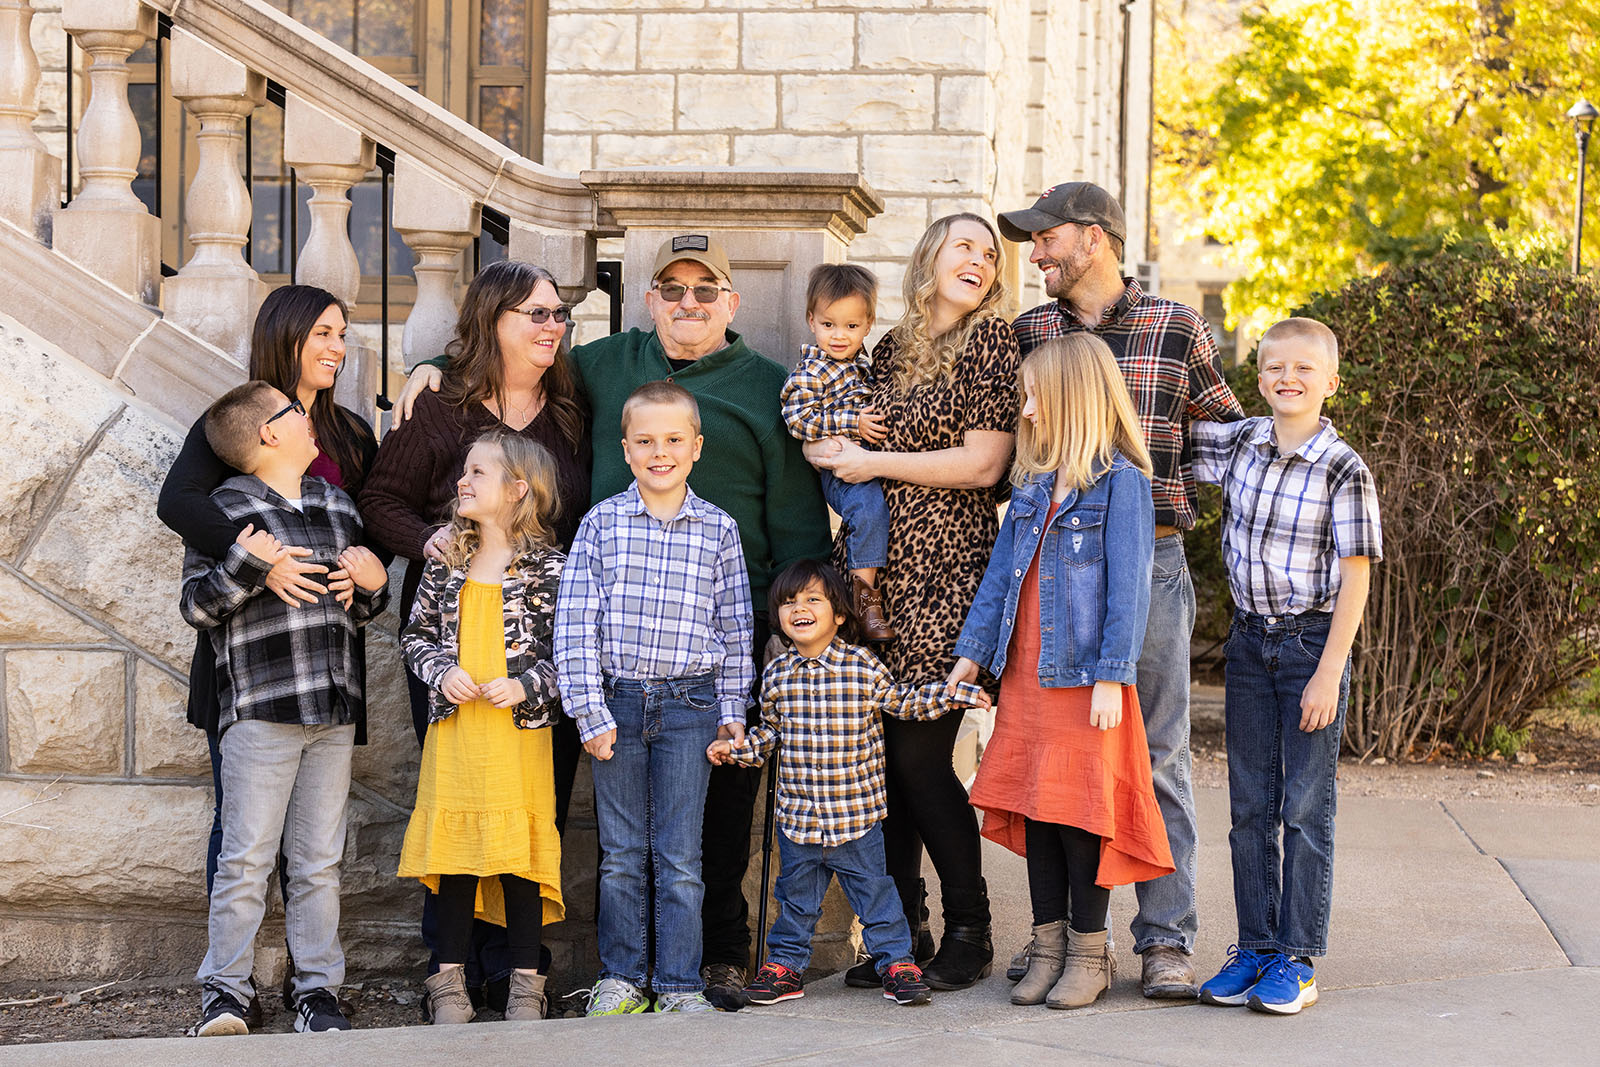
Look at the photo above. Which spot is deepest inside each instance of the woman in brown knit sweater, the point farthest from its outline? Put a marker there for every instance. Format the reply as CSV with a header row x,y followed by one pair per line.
x,y
507,369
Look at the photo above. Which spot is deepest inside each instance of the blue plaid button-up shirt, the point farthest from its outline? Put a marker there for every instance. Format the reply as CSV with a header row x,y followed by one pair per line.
x,y
1287,520
646,599
823,396
829,713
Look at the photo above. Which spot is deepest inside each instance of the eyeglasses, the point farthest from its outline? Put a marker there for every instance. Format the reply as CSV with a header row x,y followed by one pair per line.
x,y
672,292
294,405
540,316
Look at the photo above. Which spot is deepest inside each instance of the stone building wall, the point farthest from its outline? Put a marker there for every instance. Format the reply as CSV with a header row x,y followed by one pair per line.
x,y
941,105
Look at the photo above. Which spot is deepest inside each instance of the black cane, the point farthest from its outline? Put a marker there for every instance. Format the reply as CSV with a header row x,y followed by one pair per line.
x,y
766,854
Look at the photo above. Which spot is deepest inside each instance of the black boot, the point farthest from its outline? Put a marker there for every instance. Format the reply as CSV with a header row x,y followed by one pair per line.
x,y
863,974
966,951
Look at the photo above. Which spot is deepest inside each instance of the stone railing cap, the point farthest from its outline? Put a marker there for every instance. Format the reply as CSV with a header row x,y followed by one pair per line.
x,y
734,198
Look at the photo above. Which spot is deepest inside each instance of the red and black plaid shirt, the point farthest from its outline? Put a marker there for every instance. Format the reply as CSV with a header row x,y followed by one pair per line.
x,y
1170,362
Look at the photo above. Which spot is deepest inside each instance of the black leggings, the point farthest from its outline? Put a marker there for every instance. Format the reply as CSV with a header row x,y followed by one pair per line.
x,y
524,918
928,806
1062,864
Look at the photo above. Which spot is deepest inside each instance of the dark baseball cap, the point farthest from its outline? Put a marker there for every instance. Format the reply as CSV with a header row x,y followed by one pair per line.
x,y
1084,203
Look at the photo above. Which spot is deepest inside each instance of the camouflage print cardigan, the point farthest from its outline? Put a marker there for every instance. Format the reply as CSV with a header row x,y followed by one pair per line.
x,y
431,643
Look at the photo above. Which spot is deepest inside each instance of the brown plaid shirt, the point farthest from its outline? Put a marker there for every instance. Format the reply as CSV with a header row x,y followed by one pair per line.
x,y
1170,362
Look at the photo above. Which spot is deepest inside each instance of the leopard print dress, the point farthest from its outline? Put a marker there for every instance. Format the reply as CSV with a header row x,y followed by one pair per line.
x,y
939,539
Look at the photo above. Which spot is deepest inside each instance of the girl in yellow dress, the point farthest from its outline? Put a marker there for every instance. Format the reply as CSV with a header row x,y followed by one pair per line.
x,y
483,834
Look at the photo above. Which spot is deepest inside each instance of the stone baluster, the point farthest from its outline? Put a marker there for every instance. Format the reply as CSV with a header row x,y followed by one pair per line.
x,y
567,254
437,221
215,294
106,227
31,186
330,156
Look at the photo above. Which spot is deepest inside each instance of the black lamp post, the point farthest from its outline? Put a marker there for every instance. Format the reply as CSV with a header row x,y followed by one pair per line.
x,y
1582,115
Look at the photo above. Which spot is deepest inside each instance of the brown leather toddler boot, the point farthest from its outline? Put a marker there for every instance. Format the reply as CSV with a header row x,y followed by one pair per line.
x,y
869,611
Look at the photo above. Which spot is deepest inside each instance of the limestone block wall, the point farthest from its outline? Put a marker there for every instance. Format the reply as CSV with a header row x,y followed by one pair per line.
x,y
942,105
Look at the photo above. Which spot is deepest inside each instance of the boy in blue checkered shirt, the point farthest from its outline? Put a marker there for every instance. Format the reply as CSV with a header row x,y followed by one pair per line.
x,y
652,645
1300,532
825,699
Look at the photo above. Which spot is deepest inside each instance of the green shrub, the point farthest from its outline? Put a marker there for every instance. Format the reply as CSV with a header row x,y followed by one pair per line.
x,y
1471,386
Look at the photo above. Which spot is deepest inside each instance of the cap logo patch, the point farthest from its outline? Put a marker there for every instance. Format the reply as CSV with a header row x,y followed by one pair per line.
x,y
1047,192
691,242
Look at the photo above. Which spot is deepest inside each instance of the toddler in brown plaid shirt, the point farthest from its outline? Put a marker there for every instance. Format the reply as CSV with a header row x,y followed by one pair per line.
x,y
825,698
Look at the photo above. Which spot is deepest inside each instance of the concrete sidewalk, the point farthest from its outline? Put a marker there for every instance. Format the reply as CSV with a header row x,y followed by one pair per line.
x,y
1463,933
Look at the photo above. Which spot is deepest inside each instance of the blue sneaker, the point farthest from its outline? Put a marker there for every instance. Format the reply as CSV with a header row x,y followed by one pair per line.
x,y
1286,986
1233,983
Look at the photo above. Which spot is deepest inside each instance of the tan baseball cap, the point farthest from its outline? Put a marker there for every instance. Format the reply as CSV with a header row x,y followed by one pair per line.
x,y
1084,203
702,248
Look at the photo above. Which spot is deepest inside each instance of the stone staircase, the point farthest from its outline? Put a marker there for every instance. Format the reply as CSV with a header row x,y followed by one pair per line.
x,y
104,791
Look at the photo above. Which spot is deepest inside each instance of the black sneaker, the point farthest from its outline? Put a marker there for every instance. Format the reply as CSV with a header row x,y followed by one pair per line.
x,y
903,984
774,982
223,1016
318,1012
863,974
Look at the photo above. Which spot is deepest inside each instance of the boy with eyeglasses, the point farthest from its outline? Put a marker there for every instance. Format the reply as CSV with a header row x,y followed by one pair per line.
x,y
291,691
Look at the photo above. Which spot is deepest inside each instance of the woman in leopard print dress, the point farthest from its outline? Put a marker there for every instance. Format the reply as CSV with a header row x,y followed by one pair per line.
x,y
946,379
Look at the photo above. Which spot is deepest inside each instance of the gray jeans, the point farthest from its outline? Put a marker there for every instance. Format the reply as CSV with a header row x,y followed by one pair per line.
x,y
1166,905
280,782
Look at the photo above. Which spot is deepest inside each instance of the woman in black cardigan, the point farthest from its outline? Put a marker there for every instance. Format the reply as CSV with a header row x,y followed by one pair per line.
x,y
297,346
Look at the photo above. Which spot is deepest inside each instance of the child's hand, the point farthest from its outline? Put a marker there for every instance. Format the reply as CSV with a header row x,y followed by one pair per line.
x,y
261,544
343,587
983,701
503,692
965,670
720,752
1105,706
362,564
458,687
599,746
1319,703
871,426
731,731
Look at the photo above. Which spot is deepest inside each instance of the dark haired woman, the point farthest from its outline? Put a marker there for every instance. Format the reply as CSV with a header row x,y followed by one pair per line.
x,y
298,346
507,370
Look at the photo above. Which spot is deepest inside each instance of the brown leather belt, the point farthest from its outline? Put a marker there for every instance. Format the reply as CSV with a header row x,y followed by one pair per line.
x,y
1166,531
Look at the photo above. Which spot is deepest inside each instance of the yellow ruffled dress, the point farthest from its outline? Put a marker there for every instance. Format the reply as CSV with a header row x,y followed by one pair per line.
x,y
486,794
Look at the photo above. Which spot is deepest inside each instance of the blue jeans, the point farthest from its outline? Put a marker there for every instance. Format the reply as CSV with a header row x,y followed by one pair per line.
x,y
649,800
288,783
1166,905
1279,775
866,519
803,875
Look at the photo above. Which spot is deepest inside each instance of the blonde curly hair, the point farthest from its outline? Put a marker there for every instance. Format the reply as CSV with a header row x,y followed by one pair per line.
x,y
924,359
532,522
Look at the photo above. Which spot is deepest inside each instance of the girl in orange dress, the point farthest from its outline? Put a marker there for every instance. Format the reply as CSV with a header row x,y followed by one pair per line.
x,y
1060,618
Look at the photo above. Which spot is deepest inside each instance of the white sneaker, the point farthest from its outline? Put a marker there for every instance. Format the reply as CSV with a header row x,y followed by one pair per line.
x,y
616,996
683,1002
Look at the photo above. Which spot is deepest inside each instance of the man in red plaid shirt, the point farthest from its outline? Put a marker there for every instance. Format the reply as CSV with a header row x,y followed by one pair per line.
x,y
1169,360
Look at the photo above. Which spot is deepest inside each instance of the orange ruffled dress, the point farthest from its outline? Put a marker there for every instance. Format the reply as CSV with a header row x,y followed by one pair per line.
x,y
1047,763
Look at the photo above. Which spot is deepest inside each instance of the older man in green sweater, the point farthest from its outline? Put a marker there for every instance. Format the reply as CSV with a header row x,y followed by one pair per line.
x,y
749,467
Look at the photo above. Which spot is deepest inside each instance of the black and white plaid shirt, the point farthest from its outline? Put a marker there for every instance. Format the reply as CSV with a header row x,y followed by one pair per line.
x,y
1287,520
276,663
828,711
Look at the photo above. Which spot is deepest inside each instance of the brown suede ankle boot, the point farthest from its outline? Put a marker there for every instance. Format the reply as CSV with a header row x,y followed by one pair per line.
x,y
1088,972
869,611
1045,962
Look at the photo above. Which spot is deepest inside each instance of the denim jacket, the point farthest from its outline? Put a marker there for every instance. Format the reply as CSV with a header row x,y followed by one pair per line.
x,y
1094,579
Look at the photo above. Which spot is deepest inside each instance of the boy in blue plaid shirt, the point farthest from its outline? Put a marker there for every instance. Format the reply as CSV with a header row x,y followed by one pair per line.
x,y
1300,531
826,395
291,681
825,699
652,644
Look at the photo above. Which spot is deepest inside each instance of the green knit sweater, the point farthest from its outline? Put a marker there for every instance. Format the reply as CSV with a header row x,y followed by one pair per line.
x,y
749,467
